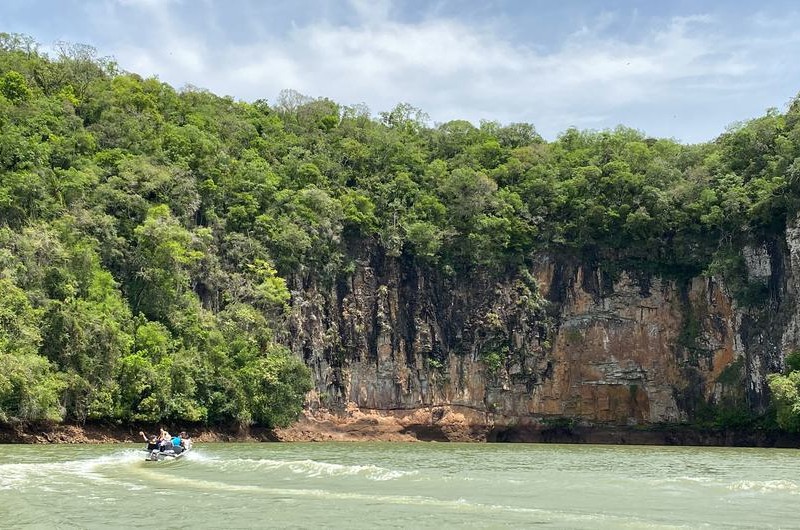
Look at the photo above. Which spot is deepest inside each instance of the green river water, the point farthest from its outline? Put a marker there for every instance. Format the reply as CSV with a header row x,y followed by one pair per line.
x,y
398,485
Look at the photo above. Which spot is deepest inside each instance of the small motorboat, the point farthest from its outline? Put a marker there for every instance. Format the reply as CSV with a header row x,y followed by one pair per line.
x,y
157,455
165,447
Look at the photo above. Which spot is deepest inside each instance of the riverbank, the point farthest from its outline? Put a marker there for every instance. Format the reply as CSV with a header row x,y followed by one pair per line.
x,y
438,424
99,433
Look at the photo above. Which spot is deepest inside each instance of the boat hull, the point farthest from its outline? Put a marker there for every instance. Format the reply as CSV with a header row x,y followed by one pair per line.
x,y
160,456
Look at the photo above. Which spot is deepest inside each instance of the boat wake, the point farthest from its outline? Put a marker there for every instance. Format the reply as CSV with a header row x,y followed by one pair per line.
x,y
766,486
21,475
455,506
308,468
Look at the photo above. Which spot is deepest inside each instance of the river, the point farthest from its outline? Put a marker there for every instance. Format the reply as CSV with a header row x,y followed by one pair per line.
x,y
399,485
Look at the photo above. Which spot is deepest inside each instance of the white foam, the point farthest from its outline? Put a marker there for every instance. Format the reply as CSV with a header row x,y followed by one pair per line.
x,y
766,486
312,468
683,479
44,474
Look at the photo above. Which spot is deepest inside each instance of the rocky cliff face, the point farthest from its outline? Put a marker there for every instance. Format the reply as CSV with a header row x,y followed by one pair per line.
x,y
560,341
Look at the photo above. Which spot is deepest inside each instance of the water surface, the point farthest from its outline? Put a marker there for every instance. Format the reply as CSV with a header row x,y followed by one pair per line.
x,y
419,485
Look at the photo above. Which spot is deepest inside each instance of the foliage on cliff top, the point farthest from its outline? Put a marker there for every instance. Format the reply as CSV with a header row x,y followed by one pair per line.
x,y
146,233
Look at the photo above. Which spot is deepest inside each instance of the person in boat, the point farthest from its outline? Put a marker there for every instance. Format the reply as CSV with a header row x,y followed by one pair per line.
x,y
153,443
177,444
165,441
186,442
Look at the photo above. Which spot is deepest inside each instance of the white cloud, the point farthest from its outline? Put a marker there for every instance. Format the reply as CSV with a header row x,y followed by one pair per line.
x,y
453,70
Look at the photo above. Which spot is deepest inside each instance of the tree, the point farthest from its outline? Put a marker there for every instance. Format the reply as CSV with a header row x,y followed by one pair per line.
x,y
275,387
29,387
14,87
163,257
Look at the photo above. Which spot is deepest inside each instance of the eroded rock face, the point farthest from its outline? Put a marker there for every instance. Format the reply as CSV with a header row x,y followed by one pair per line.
x,y
562,340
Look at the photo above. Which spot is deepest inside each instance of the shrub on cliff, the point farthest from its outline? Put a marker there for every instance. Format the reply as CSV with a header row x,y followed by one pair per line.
x,y
786,393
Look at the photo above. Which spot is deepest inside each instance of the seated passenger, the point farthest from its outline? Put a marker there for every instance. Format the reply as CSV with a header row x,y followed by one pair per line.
x,y
165,441
186,442
176,445
152,441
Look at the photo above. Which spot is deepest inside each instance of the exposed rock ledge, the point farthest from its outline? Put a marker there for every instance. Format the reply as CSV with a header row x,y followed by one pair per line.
x,y
461,424
447,424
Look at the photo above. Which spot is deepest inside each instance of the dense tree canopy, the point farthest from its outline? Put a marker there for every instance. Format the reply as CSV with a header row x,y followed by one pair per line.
x,y
145,232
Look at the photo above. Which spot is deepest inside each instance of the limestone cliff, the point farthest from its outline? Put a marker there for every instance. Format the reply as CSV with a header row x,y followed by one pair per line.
x,y
562,340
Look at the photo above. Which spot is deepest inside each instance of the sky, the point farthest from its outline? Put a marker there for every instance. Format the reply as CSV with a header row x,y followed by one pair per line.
x,y
681,69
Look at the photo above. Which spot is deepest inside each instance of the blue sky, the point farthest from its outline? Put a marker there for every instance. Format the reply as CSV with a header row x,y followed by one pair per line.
x,y
677,69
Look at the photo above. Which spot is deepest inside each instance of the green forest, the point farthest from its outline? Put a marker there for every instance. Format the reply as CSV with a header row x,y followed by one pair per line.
x,y
147,233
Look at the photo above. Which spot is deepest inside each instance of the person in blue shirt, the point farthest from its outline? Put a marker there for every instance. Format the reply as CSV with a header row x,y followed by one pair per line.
x,y
176,445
